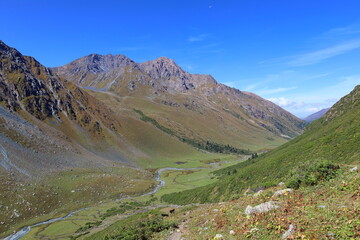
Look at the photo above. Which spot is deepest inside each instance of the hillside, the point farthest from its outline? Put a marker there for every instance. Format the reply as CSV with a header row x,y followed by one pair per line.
x,y
49,123
328,210
333,138
316,115
193,106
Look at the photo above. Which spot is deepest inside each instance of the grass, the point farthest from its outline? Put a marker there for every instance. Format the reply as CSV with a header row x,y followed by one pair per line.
x,y
139,226
335,140
329,209
204,123
65,192
111,211
200,144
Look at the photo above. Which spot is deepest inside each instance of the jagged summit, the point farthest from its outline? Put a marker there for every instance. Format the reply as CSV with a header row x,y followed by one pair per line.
x,y
96,63
109,72
164,67
163,79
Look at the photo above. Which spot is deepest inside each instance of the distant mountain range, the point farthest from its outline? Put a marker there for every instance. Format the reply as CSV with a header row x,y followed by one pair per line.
x,y
171,90
316,115
102,110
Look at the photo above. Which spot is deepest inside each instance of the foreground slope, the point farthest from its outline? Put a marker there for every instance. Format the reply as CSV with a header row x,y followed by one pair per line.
x,y
193,106
335,138
328,210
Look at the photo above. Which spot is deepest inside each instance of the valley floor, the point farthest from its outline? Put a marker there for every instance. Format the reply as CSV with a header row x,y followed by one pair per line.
x,y
328,210
176,179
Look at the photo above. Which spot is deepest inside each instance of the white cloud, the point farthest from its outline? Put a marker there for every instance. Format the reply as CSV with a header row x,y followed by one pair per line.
x,y
303,105
198,38
262,83
281,101
268,91
348,30
300,108
313,109
320,55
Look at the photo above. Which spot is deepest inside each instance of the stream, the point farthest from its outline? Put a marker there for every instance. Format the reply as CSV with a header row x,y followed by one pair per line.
x,y
161,183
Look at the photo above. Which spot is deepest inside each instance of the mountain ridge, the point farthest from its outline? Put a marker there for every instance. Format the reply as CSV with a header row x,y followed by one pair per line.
x,y
316,115
163,79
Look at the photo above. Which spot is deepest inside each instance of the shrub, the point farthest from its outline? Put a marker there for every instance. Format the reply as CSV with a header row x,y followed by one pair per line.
x,y
311,173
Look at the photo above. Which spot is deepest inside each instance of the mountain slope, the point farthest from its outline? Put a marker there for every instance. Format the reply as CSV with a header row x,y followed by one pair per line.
x,y
43,116
334,137
48,123
194,106
316,115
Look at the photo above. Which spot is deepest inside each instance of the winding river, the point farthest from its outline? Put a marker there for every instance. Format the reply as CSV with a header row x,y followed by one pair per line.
x,y
161,183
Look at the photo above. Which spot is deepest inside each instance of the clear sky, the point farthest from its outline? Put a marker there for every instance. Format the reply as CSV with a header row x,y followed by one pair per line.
x,y
303,55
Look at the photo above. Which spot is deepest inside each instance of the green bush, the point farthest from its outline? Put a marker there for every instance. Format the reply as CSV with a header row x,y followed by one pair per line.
x,y
311,173
121,209
142,229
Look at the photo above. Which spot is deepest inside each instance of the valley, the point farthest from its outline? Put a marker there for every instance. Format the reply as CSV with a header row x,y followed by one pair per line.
x,y
169,180
90,148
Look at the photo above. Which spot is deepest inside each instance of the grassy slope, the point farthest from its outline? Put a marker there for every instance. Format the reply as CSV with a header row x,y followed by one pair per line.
x,y
329,210
335,137
211,124
326,210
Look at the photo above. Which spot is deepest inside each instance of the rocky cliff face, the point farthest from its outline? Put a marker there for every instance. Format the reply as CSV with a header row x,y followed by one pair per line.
x,y
29,86
42,114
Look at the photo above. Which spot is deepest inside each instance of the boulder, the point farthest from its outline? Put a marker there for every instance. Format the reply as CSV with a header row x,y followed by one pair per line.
x,y
258,193
354,169
282,192
289,232
219,237
261,208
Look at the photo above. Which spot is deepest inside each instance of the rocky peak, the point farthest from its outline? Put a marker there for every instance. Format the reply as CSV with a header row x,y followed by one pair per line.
x,y
164,68
10,53
203,80
96,63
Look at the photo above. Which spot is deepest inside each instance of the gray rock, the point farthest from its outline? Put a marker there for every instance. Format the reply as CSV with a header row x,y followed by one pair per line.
x,y
289,232
219,237
354,169
330,235
261,208
258,193
281,184
282,192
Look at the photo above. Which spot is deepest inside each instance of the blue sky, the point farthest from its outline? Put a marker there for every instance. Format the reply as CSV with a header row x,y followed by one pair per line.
x,y
303,55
